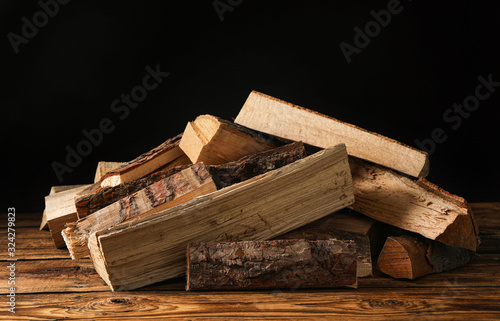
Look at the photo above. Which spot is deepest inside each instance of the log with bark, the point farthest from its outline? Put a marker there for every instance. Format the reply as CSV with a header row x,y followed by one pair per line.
x,y
167,155
215,141
410,257
280,118
259,208
346,225
166,189
276,264
413,205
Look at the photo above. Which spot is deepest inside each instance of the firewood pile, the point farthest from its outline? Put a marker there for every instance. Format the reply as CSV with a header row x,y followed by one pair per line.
x,y
283,197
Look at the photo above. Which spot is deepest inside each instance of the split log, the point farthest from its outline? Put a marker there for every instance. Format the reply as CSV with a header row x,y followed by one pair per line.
x,y
274,264
60,209
54,190
96,197
413,205
410,257
348,225
173,181
167,192
215,141
280,118
167,155
260,208
104,167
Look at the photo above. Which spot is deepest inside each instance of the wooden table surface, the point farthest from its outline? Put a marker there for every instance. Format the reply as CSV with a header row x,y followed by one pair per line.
x,y
49,285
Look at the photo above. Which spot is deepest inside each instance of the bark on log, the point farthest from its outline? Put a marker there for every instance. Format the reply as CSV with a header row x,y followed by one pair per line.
x,y
105,167
410,257
413,205
273,264
96,197
345,225
216,141
167,155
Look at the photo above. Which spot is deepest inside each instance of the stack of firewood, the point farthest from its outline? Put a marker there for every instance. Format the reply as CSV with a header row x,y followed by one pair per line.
x,y
283,197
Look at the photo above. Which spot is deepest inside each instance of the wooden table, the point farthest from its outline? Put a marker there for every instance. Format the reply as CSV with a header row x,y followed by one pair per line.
x,y
49,285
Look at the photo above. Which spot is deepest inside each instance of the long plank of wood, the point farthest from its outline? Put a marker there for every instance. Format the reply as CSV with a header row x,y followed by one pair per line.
x,y
343,304
275,264
260,208
410,257
414,205
53,190
280,118
166,155
104,167
215,141
60,209
167,192
364,231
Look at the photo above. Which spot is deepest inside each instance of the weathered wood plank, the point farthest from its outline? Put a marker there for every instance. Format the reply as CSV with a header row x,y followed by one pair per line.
x,y
366,304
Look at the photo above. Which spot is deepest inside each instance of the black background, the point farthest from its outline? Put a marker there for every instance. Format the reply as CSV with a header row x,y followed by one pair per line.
x,y
64,79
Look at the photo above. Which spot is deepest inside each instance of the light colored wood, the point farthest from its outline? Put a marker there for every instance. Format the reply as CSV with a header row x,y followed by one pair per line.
x,y
105,167
60,209
153,249
160,195
280,118
413,205
215,141
53,190
164,156
347,225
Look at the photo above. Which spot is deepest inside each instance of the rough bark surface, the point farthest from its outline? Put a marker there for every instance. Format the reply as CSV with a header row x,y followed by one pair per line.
x,y
347,225
271,264
96,197
253,165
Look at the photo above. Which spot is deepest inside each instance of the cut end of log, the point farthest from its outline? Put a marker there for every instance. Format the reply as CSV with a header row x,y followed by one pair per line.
x,y
215,141
404,257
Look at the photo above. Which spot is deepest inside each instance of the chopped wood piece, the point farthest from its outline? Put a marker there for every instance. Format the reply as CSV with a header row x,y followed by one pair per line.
x,y
166,156
364,231
105,167
167,192
413,205
280,118
60,209
259,208
215,141
53,190
95,197
222,176
274,264
249,166
410,257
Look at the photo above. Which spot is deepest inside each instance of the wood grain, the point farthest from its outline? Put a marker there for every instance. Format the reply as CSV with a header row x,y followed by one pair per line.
x,y
280,118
